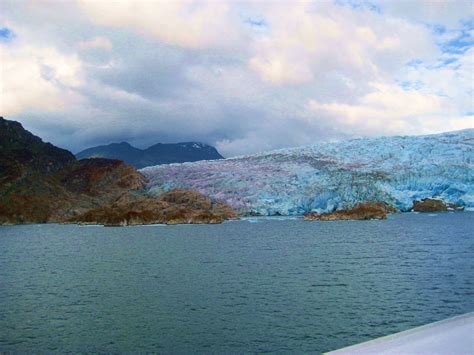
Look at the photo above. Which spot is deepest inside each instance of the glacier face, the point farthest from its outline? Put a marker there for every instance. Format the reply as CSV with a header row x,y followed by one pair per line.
x,y
325,177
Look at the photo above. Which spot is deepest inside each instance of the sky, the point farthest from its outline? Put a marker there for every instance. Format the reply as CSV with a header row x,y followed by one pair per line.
x,y
244,77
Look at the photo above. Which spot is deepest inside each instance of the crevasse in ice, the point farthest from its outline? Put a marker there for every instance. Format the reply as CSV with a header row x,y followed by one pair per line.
x,y
325,177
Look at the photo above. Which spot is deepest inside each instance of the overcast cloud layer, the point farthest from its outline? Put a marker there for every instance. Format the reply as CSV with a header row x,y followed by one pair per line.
x,y
243,76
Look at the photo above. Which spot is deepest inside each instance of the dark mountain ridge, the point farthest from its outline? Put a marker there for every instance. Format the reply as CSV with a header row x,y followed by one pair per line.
x,y
157,154
22,152
40,182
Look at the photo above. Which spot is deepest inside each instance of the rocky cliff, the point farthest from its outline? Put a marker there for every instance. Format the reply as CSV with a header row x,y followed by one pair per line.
x,y
174,207
41,183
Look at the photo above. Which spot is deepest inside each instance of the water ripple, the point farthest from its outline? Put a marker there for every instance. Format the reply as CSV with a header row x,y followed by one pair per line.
x,y
270,286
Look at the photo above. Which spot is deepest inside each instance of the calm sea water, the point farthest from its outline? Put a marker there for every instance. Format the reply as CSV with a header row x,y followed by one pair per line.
x,y
274,285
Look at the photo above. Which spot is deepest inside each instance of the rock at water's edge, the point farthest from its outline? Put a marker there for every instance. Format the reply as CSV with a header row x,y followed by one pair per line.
x,y
429,205
362,211
174,207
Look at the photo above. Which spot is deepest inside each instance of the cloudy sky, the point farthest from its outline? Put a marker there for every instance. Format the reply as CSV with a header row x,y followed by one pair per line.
x,y
243,76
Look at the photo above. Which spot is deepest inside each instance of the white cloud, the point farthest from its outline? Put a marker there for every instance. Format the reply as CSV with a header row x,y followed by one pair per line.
x,y
96,42
242,146
37,78
453,81
305,40
389,110
192,24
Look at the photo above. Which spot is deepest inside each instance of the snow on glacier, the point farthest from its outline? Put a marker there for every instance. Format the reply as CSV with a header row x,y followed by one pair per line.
x,y
325,177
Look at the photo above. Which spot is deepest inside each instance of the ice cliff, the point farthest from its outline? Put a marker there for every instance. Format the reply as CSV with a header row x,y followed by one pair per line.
x,y
324,177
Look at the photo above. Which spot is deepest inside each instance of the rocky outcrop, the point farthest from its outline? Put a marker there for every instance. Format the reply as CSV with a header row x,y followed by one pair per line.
x,y
57,196
174,207
98,176
41,183
429,205
435,205
362,211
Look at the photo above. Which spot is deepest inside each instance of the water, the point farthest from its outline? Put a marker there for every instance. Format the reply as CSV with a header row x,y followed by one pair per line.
x,y
245,286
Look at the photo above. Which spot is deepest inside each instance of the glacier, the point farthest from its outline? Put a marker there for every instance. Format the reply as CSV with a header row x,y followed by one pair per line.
x,y
326,177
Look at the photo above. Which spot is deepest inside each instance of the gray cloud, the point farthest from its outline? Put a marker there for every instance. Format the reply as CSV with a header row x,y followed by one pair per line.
x,y
322,73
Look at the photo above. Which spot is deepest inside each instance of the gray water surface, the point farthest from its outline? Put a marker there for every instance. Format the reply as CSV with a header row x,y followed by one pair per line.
x,y
244,286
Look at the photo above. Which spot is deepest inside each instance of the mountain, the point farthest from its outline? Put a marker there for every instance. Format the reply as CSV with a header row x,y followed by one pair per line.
x,y
122,151
325,177
43,183
155,155
40,182
21,153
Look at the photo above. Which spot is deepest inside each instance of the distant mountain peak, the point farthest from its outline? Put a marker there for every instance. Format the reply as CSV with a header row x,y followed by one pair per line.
x,y
157,154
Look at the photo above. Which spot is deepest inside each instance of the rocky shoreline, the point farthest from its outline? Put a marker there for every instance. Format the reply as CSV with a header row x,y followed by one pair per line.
x,y
174,207
379,210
